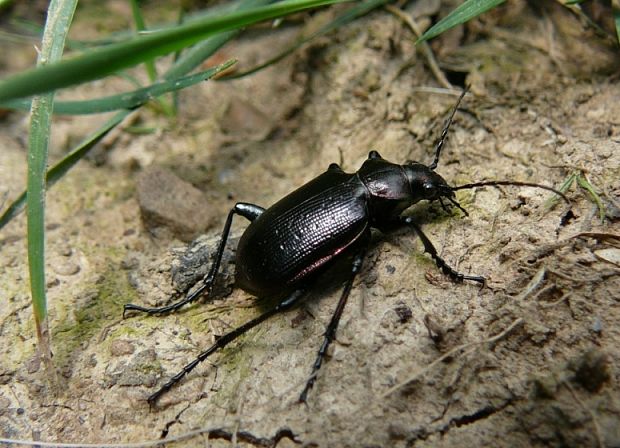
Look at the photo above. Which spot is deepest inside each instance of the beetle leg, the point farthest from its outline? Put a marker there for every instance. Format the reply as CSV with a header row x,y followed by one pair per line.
x,y
443,205
226,339
248,211
330,333
441,264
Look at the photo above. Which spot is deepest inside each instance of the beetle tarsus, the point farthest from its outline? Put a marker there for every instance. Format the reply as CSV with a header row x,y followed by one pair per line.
x,y
206,286
440,262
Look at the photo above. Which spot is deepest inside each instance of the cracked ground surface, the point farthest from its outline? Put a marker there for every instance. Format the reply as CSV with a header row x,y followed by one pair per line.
x,y
529,360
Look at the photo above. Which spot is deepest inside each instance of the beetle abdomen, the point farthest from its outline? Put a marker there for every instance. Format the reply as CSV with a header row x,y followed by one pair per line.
x,y
301,233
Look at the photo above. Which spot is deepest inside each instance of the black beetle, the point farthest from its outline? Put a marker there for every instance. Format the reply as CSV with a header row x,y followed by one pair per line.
x,y
287,245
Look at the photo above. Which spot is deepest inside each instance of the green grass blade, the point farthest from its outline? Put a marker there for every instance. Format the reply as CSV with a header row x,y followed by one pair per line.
x,y
344,18
553,200
105,60
122,35
586,185
191,59
7,36
128,100
615,7
60,14
195,56
58,170
467,11
64,165
138,20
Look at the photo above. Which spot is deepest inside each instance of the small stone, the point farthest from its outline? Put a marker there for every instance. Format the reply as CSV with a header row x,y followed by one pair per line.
x,y
243,118
403,312
610,255
592,370
33,364
62,266
64,250
141,370
130,262
121,347
167,201
50,282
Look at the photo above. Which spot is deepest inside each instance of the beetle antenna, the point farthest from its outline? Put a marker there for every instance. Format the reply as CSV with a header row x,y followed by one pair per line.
x,y
446,127
494,183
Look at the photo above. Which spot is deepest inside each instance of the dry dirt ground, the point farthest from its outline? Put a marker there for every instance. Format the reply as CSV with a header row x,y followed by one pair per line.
x,y
532,359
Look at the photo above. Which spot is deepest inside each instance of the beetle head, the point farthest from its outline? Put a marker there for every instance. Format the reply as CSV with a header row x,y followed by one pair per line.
x,y
426,184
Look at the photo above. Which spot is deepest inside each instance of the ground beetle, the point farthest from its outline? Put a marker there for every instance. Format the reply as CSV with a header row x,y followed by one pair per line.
x,y
287,245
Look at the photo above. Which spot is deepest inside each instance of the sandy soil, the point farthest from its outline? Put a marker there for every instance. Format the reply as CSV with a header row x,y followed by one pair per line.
x,y
532,359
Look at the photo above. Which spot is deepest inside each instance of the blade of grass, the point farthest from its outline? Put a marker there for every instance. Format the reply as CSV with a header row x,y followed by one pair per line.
x,y
174,103
193,57
105,60
128,100
586,185
6,36
553,200
138,21
587,20
149,64
196,55
64,165
615,7
60,14
34,30
467,11
424,46
188,61
58,170
342,19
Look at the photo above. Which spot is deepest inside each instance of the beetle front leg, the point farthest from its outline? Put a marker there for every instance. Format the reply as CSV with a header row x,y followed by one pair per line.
x,y
330,333
441,264
248,211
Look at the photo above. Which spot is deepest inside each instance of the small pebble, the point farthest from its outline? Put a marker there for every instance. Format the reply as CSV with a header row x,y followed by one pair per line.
x,y
65,267
121,347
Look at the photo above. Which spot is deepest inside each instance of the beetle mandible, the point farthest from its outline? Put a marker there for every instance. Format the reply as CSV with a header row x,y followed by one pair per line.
x,y
288,244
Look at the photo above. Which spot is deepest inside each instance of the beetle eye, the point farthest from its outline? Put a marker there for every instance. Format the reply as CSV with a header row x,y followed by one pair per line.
x,y
429,190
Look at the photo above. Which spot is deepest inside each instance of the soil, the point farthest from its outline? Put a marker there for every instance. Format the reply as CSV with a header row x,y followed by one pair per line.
x,y
531,359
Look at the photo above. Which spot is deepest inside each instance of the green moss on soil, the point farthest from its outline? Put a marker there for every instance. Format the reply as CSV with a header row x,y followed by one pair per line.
x,y
91,314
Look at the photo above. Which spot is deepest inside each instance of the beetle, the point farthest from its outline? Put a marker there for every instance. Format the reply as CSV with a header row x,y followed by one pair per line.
x,y
288,244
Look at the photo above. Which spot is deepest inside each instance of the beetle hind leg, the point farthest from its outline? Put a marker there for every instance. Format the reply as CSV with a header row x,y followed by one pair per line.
x,y
441,264
222,341
248,211
330,333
